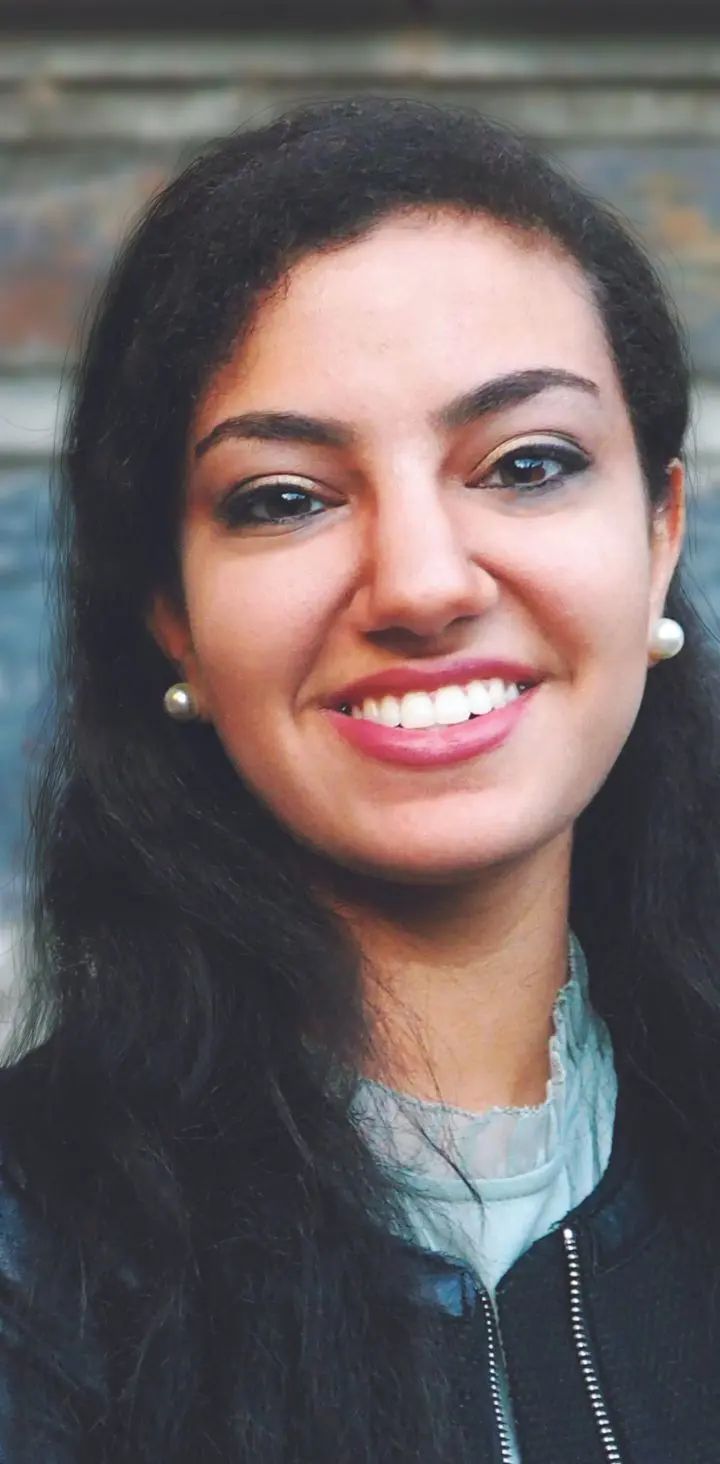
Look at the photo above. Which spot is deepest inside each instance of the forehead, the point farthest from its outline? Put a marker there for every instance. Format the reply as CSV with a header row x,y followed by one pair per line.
x,y
409,315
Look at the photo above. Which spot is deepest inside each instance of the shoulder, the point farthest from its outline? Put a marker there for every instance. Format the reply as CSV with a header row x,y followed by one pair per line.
x,y
50,1368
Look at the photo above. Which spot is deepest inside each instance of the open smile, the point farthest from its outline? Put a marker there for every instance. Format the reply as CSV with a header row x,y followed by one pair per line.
x,y
432,713
447,707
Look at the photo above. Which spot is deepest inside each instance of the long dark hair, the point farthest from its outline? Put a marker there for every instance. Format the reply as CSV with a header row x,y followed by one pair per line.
x,y
219,1236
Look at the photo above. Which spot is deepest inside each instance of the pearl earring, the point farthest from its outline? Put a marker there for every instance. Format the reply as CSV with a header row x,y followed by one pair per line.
x,y
179,702
667,641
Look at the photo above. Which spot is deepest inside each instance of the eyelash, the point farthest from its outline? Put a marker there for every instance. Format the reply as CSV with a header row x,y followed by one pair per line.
x,y
237,507
570,460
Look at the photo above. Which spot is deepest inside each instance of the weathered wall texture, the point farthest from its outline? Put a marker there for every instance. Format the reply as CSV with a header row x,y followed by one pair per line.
x,y
88,129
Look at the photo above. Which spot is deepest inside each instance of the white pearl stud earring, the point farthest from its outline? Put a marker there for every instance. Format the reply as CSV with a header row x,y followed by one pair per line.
x,y
179,702
667,641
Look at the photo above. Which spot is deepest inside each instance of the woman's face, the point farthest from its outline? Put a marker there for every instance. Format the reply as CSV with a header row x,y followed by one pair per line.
x,y
414,498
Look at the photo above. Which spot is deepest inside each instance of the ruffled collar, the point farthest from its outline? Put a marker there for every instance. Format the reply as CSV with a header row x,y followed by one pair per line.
x,y
430,1142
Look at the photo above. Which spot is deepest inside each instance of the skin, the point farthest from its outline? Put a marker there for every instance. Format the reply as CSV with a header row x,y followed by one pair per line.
x,y
417,551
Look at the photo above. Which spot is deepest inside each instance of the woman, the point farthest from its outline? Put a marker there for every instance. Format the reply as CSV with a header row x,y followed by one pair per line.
x,y
369,1102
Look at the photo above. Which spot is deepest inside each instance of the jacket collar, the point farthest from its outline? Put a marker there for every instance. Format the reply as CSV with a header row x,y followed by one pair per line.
x,y
612,1223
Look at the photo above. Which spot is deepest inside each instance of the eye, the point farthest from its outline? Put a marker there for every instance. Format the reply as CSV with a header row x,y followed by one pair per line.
x,y
278,502
535,467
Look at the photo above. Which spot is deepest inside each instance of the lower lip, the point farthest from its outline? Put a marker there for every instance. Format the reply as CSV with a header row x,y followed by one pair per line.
x,y
433,747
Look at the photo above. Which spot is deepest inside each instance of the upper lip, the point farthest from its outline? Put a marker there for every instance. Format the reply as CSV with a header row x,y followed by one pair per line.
x,y
425,676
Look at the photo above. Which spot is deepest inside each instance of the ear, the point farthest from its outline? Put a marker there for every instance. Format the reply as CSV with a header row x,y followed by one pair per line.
x,y
169,627
667,537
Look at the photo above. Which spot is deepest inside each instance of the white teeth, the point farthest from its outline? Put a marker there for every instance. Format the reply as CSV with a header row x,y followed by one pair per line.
x,y
390,711
446,707
451,706
479,698
496,690
417,710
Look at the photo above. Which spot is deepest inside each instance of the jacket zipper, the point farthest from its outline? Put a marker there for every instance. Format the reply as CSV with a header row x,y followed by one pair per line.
x,y
584,1350
493,1341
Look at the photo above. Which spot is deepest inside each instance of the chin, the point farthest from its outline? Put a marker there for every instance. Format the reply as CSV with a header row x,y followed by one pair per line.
x,y
428,866
432,846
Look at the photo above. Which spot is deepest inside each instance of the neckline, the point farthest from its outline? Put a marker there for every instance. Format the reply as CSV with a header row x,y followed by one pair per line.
x,y
430,1146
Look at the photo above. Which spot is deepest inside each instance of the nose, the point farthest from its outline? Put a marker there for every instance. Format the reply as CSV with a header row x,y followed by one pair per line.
x,y
421,571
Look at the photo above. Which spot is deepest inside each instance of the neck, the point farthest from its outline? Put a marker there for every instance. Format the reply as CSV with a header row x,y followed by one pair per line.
x,y
461,981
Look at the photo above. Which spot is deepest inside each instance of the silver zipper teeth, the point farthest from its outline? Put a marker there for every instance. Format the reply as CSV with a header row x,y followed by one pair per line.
x,y
584,1350
497,1402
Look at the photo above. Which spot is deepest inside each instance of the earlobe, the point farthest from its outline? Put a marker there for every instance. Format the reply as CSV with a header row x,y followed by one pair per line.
x,y
668,534
169,628
666,637
669,517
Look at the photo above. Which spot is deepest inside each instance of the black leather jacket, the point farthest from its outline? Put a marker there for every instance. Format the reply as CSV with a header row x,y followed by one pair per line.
x,y
611,1342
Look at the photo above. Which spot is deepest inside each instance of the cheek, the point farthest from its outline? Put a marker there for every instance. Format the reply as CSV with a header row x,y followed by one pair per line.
x,y
593,604
603,622
254,631
597,584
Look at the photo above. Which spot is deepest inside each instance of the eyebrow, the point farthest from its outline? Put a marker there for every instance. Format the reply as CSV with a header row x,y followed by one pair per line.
x,y
279,427
492,396
509,391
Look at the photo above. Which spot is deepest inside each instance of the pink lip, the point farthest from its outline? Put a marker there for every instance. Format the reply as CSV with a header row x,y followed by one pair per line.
x,y
433,747
429,676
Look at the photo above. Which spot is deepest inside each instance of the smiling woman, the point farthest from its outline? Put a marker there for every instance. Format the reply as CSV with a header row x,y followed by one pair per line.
x,y
375,1115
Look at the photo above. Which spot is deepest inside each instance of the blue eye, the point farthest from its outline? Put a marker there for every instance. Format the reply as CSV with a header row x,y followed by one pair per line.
x,y
275,504
536,468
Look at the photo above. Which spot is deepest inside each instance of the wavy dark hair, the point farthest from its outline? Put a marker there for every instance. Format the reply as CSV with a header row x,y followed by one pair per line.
x,y
216,1271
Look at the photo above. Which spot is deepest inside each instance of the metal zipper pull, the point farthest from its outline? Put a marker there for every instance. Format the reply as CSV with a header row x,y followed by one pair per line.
x,y
584,1349
493,1342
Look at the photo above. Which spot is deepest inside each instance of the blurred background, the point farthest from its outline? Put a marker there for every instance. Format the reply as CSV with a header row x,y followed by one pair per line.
x,y
100,100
